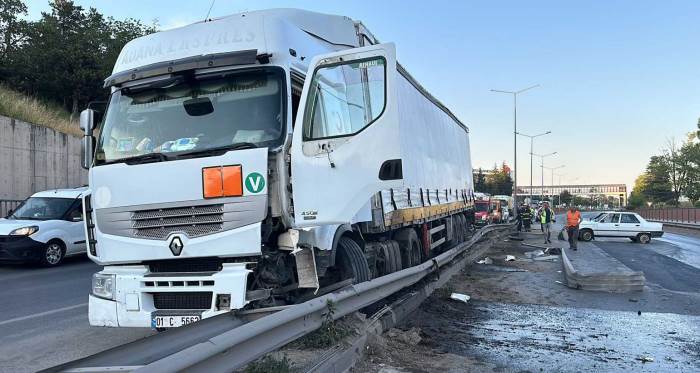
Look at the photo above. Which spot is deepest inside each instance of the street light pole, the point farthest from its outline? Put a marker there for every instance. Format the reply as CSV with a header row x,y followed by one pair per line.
x,y
553,169
515,137
542,157
532,140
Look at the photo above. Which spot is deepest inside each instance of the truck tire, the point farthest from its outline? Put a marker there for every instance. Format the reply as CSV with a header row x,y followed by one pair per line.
x,y
396,250
53,253
410,244
465,228
351,261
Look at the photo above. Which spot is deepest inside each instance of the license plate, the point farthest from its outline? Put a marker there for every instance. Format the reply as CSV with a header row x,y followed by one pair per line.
x,y
173,321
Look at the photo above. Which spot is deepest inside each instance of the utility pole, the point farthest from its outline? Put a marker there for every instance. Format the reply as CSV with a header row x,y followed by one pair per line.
x,y
515,137
532,140
542,157
552,169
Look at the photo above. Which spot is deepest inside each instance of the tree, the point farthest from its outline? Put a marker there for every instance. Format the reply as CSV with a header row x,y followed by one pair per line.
x,y
499,182
657,188
480,181
66,54
10,26
677,164
565,197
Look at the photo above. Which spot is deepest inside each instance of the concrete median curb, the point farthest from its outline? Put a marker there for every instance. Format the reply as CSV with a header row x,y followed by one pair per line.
x,y
617,278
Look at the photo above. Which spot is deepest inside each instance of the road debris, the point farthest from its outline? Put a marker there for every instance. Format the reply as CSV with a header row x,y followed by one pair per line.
x,y
510,258
552,251
460,297
533,254
486,260
633,300
411,336
645,359
548,257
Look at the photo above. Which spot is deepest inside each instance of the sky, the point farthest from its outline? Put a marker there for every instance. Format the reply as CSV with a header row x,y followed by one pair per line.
x,y
618,79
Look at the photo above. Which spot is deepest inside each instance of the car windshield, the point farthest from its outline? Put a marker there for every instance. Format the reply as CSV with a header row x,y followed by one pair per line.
x,y
194,114
42,208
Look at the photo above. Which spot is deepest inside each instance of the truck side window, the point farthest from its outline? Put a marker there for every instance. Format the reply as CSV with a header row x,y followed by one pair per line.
x,y
345,98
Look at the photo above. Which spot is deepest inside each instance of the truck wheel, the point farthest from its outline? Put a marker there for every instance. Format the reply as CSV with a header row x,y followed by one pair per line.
x,y
53,254
586,235
465,227
398,257
409,243
644,238
352,261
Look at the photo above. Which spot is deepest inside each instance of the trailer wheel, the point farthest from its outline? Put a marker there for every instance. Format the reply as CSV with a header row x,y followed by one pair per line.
x,y
394,248
410,244
351,260
463,223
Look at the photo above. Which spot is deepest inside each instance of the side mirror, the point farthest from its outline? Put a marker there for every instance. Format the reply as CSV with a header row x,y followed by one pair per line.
x,y
87,121
87,124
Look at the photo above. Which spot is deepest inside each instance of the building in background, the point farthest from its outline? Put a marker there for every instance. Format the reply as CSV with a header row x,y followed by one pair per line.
x,y
612,195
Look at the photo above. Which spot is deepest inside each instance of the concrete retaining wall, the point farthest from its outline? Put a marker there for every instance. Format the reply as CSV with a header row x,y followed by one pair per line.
x,y
34,158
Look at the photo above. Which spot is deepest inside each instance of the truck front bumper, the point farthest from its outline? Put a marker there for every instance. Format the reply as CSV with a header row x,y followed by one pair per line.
x,y
139,295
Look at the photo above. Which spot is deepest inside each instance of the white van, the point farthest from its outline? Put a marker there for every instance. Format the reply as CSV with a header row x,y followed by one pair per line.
x,y
45,228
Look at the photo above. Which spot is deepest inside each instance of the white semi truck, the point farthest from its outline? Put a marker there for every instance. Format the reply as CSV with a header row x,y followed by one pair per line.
x,y
258,159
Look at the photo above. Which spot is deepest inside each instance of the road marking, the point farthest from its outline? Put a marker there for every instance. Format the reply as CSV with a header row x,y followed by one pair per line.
x,y
40,314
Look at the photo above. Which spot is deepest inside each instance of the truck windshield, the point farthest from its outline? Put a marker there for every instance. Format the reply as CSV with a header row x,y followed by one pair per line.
x,y
481,207
42,208
189,115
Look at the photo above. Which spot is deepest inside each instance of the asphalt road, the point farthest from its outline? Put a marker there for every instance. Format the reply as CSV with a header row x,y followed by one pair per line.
x,y
43,316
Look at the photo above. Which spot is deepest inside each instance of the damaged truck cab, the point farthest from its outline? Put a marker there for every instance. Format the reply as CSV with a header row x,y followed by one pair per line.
x,y
257,159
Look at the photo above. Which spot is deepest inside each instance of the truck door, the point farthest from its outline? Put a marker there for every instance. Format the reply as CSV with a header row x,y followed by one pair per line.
x,y
345,145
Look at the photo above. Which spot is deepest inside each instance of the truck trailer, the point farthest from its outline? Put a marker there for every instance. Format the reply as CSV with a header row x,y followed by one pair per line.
x,y
260,159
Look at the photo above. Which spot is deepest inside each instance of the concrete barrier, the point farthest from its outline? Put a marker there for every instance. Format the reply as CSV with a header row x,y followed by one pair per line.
x,y
590,268
35,158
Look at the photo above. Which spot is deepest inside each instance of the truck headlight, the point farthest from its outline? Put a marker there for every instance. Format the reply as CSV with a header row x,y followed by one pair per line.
x,y
483,217
103,285
25,231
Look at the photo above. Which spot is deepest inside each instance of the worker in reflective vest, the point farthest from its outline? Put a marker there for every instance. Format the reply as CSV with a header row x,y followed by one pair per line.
x,y
573,219
546,216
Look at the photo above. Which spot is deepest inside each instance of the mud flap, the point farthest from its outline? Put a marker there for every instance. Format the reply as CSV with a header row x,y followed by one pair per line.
x,y
306,268
304,256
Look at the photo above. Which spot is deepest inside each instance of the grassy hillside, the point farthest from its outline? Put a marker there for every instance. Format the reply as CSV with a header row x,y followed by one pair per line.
x,y
16,105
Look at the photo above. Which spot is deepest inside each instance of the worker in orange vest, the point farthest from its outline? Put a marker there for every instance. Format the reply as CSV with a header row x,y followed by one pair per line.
x,y
573,219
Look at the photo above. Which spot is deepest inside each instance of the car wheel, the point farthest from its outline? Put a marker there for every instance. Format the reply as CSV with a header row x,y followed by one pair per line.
x,y
644,238
53,254
586,235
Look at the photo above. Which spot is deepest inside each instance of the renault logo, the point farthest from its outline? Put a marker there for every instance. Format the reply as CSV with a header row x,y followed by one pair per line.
x,y
176,246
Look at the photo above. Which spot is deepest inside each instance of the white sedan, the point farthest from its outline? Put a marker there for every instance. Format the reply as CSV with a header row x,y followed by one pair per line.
x,y
620,224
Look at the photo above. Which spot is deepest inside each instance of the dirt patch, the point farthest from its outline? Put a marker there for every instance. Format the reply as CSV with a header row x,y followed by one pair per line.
x,y
407,351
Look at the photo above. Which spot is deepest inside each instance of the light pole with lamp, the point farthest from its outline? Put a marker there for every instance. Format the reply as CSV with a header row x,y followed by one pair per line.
x,y
542,157
515,137
552,170
532,140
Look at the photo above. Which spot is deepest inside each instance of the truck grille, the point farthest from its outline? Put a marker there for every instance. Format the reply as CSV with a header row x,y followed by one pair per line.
x,y
194,221
186,265
182,300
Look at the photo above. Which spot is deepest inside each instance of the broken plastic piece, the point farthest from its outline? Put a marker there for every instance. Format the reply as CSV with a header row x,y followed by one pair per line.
x,y
532,254
645,359
510,258
486,260
460,297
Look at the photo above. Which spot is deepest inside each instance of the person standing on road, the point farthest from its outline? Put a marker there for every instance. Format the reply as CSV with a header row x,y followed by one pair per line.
x,y
573,219
526,216
546,216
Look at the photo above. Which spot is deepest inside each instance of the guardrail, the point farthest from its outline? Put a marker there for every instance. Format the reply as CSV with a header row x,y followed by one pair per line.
x,y
672,215
6,205
237,346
